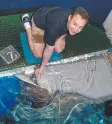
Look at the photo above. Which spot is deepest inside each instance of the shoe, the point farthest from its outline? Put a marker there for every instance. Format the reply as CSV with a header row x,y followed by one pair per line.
x,y
25,21
25,18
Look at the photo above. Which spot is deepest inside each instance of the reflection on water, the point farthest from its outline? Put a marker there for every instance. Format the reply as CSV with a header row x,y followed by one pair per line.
x,y
21,103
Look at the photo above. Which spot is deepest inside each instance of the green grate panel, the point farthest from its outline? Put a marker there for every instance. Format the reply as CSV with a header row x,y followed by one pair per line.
x,y
91,39
10,35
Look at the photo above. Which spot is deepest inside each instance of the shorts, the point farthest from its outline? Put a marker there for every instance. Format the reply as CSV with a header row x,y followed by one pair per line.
x,y
37,34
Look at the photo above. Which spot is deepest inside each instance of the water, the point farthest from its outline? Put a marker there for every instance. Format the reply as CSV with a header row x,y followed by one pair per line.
x,y
18,105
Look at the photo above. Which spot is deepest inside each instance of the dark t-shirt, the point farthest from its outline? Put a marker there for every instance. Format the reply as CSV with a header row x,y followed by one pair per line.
x,y
53,20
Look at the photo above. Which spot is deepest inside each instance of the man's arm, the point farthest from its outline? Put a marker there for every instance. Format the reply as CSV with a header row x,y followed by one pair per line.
x,y
48,52
46,55
45,58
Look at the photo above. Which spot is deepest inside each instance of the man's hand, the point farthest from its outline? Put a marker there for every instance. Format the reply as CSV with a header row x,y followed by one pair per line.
x,y
39,71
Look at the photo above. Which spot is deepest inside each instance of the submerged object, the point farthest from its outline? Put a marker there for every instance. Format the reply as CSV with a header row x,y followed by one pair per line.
x,y
83,77
25,79
40,95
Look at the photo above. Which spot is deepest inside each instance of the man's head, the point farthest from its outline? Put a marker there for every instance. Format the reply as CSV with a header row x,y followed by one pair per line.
x,y
77,20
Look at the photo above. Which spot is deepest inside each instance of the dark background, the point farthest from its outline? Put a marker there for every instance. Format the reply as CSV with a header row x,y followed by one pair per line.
x,y
97,9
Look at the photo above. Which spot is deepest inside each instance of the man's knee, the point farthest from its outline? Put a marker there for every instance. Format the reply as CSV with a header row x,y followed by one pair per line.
x,y
60,44
37,54
38,49
59,48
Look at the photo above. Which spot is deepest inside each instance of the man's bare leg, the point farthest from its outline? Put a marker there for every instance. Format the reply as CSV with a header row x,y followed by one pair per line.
x,y
27,26
36,48
29,36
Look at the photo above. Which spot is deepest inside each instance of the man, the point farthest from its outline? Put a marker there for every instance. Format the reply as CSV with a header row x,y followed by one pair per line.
x,y
48,29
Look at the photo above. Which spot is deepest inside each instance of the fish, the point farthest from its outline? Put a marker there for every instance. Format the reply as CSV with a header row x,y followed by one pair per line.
x,y
26,79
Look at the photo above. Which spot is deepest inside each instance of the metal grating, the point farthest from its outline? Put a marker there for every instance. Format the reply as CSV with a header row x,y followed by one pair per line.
x,y
10,35
91,39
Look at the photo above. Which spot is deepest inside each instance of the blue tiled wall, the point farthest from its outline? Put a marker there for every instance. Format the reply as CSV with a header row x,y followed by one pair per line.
x,y
98,9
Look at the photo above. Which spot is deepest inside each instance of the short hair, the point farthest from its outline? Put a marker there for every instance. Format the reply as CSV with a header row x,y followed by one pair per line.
x,y
81,11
